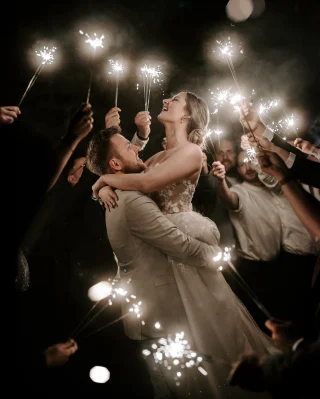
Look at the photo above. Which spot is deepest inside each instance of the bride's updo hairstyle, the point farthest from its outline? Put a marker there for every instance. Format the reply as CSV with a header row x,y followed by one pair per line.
x,y
199,119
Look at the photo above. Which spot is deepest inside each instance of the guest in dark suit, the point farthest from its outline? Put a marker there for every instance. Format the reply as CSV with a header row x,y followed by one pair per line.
x,y
292,374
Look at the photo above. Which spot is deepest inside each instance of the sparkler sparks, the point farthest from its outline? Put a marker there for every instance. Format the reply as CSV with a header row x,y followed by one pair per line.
x,y
265,107
175,354
46,55
116,66
222,97
95,42
227,49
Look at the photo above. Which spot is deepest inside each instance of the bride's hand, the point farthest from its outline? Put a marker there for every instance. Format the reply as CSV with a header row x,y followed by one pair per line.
x,y
98,186
108,197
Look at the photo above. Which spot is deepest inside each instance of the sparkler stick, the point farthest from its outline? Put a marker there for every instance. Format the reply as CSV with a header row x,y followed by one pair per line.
x,y
47,58
101,291
94,43
89,321
116,70
252,295
150,75
250,292
108,325
214,153
75,331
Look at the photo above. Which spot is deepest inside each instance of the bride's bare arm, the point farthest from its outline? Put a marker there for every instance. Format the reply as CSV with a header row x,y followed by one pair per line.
x,y
181,165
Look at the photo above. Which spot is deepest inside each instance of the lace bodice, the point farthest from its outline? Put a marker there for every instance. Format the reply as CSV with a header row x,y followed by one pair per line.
x,y
174,198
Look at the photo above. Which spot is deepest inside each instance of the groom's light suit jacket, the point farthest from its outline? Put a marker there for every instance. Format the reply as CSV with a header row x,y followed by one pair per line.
x,y
142,238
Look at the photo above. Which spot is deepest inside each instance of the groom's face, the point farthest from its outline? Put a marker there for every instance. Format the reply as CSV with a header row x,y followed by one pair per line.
x,y
126,155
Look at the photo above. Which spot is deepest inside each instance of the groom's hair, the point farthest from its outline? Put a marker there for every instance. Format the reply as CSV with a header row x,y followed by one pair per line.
x,y
100,150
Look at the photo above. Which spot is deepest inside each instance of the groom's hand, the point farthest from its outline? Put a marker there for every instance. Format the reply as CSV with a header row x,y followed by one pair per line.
x,y
108,197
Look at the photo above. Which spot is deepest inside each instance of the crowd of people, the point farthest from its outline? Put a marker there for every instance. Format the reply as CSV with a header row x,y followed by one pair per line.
x,y
167,218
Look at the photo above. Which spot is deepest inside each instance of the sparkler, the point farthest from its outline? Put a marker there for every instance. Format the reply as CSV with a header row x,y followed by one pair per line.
x,y
46,58
208,136
94,43
150,75
226,257
112,291
227,51
175,354
285,125
117,69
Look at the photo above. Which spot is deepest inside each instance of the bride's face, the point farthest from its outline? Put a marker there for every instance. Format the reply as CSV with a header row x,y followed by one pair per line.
x,y
174,109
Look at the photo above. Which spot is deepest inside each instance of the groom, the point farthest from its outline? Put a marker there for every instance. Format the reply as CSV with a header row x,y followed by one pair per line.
x,y
142,238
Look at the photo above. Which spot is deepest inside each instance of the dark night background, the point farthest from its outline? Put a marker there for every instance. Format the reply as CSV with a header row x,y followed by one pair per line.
x,y
70,251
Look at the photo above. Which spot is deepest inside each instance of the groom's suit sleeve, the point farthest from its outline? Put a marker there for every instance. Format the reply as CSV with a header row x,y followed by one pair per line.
x,y
147,222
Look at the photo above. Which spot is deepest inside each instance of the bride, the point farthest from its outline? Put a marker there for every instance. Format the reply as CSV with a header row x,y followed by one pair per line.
x,y
220,325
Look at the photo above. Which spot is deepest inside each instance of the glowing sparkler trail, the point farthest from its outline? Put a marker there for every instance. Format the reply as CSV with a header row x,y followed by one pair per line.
x,y
117,69
47,57
227,51
150,75
94,43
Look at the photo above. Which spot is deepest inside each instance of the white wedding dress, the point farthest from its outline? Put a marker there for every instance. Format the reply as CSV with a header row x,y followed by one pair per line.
x,y
220,326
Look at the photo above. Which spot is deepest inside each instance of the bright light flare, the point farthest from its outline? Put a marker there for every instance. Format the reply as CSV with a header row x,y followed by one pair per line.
x,y
99,374
99,291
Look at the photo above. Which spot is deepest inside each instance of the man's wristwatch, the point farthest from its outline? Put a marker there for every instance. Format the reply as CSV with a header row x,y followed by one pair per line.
x,y
141,138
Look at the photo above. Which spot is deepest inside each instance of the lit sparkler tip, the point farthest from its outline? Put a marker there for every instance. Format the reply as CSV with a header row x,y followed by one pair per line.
x,y
46,54
95,42
151,71
116,67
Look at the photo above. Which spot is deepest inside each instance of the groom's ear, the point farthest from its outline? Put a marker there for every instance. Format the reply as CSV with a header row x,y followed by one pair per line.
x,y
115,164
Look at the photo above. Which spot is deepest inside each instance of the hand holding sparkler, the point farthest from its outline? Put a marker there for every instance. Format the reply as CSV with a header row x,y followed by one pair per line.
x,y
250,119
273,165
262,143
82,123
218,170
9,114
112,117
305,146
57,355
245,143
143,122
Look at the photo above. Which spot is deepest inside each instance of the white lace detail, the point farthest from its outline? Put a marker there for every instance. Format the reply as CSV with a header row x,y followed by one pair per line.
x,y
176,197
